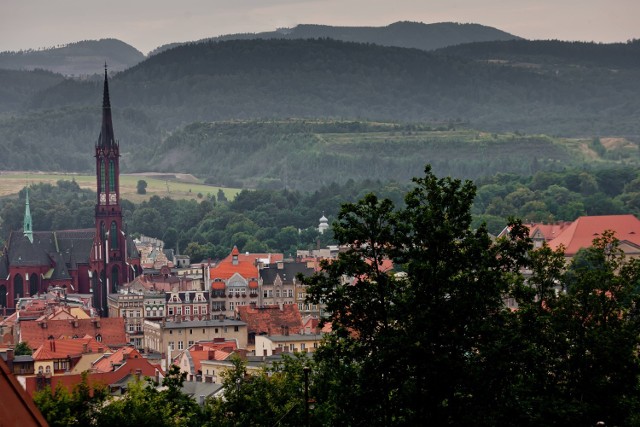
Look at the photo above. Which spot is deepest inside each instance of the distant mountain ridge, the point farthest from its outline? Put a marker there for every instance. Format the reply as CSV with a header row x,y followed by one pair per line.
x,y
75,59
407,34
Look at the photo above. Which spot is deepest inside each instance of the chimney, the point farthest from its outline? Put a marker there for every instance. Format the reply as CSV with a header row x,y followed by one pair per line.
x,y
10,355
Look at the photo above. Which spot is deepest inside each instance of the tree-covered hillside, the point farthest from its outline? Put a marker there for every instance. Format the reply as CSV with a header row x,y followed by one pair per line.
x,y
399,34
162,107
79,58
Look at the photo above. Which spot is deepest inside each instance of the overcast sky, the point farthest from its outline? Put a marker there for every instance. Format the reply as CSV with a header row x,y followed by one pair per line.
x,y
147,24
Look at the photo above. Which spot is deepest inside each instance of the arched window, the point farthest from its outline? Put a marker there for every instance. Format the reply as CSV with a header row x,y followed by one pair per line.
x,y
3,296
115,279
99,338
113,236
112,176
18,289
103,177
33,284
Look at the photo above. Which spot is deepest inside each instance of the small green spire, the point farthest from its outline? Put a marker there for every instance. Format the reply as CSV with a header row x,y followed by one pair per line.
x,y
28,228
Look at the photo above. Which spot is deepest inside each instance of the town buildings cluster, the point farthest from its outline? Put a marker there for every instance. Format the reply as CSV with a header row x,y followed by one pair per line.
x,y
97,301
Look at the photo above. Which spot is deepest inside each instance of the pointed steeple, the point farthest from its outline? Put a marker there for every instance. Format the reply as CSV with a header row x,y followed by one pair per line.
x,y
106,138
27,225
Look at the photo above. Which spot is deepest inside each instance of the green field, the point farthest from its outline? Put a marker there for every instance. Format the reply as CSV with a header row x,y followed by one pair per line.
x,y
176,186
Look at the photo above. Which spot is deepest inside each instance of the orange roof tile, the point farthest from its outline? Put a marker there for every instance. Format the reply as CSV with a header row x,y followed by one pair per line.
x,y
271,319
245,265
112,361
581,232
63,347
110,329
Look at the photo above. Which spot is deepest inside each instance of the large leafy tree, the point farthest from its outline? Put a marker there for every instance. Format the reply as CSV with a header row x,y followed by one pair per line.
x,y
404,346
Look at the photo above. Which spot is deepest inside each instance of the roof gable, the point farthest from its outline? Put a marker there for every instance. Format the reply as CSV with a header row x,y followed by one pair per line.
x,y
581,233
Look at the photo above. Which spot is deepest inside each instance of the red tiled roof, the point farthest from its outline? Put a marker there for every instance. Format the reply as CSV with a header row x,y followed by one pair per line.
x,y
581,232
210,351
271,319
548,231
110,329
63,347
112,361
131,367
245,265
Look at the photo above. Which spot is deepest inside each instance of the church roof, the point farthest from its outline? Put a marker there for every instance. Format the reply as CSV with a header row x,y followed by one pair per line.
x,y
106,139
50,246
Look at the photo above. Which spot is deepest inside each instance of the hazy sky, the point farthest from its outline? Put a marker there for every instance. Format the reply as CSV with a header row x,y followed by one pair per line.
x,y
146,24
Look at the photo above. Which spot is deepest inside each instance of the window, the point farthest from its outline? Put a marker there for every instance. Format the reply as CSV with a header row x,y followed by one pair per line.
x,y
171,345
290,293
299,306
292,347
277,293
187,310
303,346
48,369
204,310
179,310
112,176
190,343
190,331
235,329
195,310
103,177
315,345
131,327
170,311
231,303
269,293
180,345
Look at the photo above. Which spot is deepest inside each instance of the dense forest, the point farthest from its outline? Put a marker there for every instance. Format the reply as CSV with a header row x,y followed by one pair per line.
x,y
555,92
286,220
399,34
74,59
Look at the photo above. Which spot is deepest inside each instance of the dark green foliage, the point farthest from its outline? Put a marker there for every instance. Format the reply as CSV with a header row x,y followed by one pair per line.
x,y
80,407
328,79
141,187
273,396
144,405
425,327
22,349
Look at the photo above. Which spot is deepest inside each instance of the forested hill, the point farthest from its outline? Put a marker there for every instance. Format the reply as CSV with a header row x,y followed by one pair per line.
x,y
556,53
321,79
399,34
244,79
75,59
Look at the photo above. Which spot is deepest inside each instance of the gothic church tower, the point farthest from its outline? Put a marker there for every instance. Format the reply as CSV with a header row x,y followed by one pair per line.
x,y
111,250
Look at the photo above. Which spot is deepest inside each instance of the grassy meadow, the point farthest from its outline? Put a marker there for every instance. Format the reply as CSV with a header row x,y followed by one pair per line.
x,y
176,186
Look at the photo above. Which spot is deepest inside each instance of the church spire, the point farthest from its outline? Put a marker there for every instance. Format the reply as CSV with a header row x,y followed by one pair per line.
x,y
106,139
27,225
